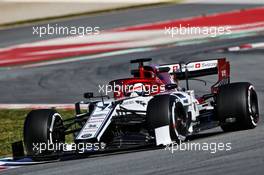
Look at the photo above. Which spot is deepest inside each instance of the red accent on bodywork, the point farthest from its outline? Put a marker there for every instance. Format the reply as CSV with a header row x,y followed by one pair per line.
x,y
200,100
223,67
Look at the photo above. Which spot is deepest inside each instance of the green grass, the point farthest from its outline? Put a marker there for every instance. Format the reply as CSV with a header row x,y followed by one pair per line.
x,y
11,127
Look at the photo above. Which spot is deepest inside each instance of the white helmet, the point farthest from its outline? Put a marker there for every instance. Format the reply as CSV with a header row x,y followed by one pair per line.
x,y
137,90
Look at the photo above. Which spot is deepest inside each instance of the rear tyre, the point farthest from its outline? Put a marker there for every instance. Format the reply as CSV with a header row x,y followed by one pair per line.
x,y
44,126
237,106
164,110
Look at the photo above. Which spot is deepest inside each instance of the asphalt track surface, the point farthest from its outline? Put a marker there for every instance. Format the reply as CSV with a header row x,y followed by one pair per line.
x,y
67,82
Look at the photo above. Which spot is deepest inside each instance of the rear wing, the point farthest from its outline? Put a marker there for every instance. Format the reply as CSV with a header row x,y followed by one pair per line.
x,y
184,71
199,68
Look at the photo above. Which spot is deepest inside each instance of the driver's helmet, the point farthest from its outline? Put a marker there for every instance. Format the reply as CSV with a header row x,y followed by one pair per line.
x,y
138,89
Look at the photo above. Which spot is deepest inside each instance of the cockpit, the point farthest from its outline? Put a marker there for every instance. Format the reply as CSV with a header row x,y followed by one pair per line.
x,y
146,80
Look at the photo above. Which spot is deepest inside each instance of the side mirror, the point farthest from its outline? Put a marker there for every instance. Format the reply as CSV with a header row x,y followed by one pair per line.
x,y
88,95
171,86
163,69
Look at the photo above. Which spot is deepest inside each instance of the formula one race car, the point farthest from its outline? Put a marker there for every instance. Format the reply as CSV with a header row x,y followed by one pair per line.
x,y
147,109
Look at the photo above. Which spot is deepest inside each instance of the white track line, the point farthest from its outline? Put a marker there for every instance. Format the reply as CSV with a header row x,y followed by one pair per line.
x,y
246,47
82,58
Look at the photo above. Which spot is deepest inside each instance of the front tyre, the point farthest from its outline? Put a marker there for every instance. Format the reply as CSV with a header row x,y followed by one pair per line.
x,y
237,106
44,126
165,110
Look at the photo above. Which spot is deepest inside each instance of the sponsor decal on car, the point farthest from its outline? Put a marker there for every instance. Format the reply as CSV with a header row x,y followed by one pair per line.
x,y
86,135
